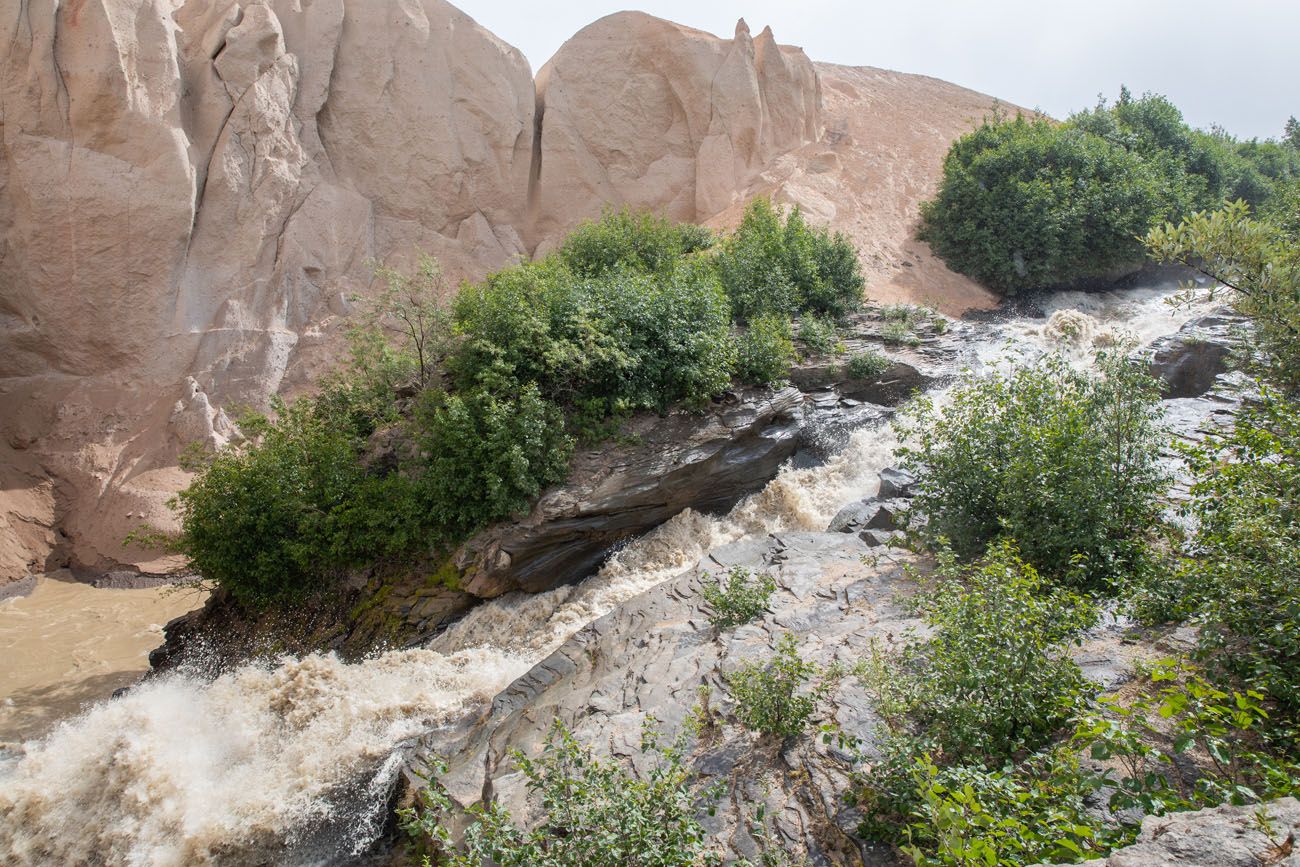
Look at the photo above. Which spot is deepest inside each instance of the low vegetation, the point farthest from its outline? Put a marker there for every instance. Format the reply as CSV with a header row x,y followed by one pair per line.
x,y
776,696
594,813
738,598
456,413
1030,203
1063,460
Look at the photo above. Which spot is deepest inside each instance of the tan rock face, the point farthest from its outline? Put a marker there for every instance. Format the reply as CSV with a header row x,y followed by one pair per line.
x,y
644,111
190,190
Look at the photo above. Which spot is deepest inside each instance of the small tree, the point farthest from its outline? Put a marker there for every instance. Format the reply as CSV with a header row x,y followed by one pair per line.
x,y
412,307
770,695
1291,132
1065,461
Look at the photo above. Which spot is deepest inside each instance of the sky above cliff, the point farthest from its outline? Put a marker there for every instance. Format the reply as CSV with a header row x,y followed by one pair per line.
x,y
1230,63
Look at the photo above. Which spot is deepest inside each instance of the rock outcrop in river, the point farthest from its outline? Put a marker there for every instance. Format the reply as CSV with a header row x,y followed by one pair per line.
x,y
191,191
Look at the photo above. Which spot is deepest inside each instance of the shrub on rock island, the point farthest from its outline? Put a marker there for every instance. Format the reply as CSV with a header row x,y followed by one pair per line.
x,y
1063,460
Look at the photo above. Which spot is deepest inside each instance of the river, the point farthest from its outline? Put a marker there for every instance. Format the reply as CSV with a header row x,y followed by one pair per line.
x,y
290,762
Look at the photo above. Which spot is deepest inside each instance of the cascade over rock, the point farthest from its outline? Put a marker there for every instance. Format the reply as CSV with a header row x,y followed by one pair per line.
x,y
191,192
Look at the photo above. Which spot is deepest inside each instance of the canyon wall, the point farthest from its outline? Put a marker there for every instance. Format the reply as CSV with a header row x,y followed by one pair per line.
x,y
191,192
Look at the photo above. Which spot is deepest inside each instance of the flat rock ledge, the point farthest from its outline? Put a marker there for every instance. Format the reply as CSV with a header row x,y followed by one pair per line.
x,y
1250,836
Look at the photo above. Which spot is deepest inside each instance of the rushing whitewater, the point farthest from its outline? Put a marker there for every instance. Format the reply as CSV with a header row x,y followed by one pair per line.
x,y
291,763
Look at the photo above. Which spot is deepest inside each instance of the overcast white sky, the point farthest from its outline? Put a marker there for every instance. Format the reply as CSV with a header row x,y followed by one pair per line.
x,y
1232,62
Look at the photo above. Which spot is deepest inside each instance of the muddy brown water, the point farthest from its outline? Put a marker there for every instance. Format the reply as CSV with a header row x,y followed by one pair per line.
x,y
67,645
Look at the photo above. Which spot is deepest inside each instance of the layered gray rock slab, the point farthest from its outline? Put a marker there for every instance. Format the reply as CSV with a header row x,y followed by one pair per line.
x,y
654,655
683,460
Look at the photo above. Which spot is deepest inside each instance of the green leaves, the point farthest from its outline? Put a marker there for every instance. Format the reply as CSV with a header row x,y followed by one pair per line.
x,y
766,350
739,599
1062,460
1027,204
771,696
775,266
593,813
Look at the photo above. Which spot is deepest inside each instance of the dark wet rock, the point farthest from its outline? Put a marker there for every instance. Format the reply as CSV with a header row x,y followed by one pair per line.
x,y
896,483
16,589
124,579
869,514
684,460
1188,362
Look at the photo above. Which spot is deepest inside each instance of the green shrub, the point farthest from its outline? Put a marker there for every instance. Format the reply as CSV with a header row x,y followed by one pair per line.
x,y
818,334
486,457
1026,204
866,365
899,334
1064,461
258,518
631,340
1039,812
766,350
626,240
1219,749
1243,576
990,681
594,813
1259,264
771,265
771,697
738,600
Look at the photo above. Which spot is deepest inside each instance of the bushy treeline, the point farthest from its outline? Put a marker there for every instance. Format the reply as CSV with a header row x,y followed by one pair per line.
x,y
1030,203
1042,490
476,407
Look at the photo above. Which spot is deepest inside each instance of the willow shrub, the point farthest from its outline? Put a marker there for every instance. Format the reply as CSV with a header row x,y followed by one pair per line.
x,y
782,265
1063,460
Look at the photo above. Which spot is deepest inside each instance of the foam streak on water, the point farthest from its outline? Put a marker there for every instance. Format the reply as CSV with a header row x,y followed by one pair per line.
x,y
257,765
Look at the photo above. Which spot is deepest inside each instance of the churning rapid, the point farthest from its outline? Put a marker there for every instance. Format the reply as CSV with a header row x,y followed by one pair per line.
x,y
292,762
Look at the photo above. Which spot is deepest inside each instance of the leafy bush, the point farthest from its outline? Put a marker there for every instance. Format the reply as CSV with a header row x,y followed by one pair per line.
x,y
818,334
1039,812
866,365
487,457
627,240
1064,461
633,341
740,599
770,696
899,333
1243,576
765,350
771,265
594,813
1258,263
256,518
1220,734
990,681
1025,204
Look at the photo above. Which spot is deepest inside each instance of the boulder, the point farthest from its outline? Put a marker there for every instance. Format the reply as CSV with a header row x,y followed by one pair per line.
x,y
1188,362
869,514
896,483
1217,837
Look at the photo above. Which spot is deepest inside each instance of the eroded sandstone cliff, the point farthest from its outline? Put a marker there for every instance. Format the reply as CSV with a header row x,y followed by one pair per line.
x,y
191,190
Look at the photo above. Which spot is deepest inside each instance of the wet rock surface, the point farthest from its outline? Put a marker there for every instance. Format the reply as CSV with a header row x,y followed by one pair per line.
x,y
656,655
1188,363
